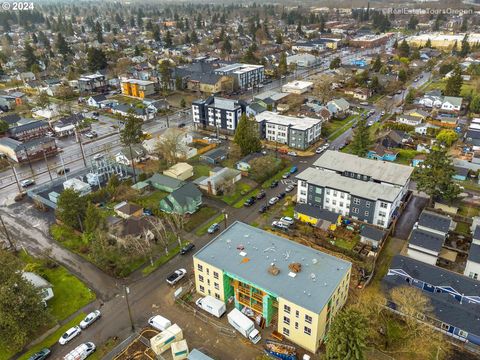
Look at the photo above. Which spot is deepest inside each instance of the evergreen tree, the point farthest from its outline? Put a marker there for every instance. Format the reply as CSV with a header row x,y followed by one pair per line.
x,y
282,64
475,104
247,136
156,33
335,63
165,73
410,97
361,138
29,56
278,37
465,47
168,39
412,23
403,49
71,209
428,44
99,32
132,134
347,335
2,72
96,59
377,65
227,46
454,83
402,75
62,45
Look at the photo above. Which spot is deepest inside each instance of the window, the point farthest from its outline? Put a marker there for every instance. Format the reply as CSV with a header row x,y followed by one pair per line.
x,y
356,201
216,286
286,308
462,333
208,271
318,190
335,193
217,296
382,214
200,278
303,192
286,332
200,267
355,210
308,319
366,213
334,202
342,195
208,281
327,200
303,183
215,275
383,205
328,191
307,330
318,199
286,320
380,223
473,275
445,326
202,289
296,325
297,313
367,204
341,203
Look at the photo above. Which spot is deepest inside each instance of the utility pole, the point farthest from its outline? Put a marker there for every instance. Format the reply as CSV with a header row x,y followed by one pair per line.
x,y
7,234
16,177
127,291
48,167
81,148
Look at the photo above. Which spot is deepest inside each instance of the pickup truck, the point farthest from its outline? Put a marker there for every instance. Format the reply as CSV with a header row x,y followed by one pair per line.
x,y
176,276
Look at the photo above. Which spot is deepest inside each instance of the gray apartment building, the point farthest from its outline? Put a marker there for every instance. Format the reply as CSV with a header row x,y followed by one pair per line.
x,y
245,75
362,189
92,83
296,132
217,113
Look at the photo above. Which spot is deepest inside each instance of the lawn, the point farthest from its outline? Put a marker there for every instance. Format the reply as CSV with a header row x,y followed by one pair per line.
x,y
53,338
405,156
467,87
241,189
151,201
200,170
278,176
103,349
163,259
70,294
334,127
202,215
289,210
203,230
240,202
468,210
463,228
345,244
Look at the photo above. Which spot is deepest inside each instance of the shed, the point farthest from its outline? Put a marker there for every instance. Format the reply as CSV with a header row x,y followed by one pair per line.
x,y
214,156
371,235
180,171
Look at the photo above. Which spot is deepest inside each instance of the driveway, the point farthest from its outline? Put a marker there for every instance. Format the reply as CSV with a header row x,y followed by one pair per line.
x,y
409,217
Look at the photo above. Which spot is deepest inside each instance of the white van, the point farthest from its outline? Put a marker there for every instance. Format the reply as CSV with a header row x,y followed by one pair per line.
x,y
80,352
159,322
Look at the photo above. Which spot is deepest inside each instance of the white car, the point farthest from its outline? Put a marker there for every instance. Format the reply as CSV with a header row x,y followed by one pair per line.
x,y
176,276
292,153
319,150
273,200
27,182
287,220
280,225
97,156
90,319
69,335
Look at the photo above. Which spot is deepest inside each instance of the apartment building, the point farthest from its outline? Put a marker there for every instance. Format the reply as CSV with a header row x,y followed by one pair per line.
x,y
138,88
92,82
369,41
442,41
296,289
217,113
363,189
245,76
296,132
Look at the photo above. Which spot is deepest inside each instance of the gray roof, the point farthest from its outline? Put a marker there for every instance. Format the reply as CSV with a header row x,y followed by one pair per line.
x,y
11,143
426,240
214,153
474,253
28,126
36,280
365,189
317,213
476,233
183,194
372,233
434,221
198,355
165,180
378,170
456,101
311,288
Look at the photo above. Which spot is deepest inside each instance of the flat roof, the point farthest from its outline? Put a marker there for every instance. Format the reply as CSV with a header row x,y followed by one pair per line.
x,y
298,84
311,288
139,82
239,68
379,170
365,189
296,123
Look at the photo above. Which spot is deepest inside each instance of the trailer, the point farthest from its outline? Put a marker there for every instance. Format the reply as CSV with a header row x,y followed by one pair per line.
x,y
280,351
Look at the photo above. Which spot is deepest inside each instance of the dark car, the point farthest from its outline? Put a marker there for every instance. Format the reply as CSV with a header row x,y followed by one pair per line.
x,y
263,209
281,195
187,248
63,171
182,125
41,355
261,195
249,202
147,212
274,184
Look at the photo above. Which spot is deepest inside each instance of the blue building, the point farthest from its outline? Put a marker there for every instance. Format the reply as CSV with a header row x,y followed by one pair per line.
x,y
455,298
380,152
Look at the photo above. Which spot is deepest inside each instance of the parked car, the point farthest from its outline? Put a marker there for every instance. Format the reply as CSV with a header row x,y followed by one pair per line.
x,y
176,276
286,175
63,171
292,153
263,209
159,322
181,125
147,212
293,170
91,134
187,248
98,156
289,188
81,352
274,184
273,200
41,355
90,319
213,228
280,225
281,195
261,194
69,335
287,220
27,182
319,150
249,202
49,134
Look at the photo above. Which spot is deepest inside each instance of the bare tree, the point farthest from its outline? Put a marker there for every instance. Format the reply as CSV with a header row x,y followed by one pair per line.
x,y
171,146
160,232
177,224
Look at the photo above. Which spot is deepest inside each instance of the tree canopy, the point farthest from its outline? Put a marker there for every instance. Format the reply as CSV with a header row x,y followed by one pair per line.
x,y
71,208
454,83
247,136
96,59
361,139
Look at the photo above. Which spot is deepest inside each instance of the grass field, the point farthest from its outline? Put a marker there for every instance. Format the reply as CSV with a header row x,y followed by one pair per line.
x,y
345,244
152,200
241,189
405,156
200,170
203,230
202,215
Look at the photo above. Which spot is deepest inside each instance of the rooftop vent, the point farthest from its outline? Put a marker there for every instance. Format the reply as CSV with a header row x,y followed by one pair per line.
x,y
292,274
242,253
273,270
295,267
240,247
314,261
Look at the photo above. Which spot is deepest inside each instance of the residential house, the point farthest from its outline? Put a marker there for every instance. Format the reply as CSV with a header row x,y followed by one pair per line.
x,y
451,104
209,83
126,210
156,106
24,152
359,93
296,132
435,223
432,99
455,299
338,107
96,101
418,113
137,88
425,246
28,131
217,113
185,200
380,152
363,189
134,152
316,216
472,137
245,75
124,230
9,100
66,126
180,171
372,236
219,180
409,120
130,110
316,45
43,286
11,119
183,139
92,83
255,108
395,139
164,183
472,268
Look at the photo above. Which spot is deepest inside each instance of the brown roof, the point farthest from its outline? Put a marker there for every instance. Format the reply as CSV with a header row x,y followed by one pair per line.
x,y
129,209
132,226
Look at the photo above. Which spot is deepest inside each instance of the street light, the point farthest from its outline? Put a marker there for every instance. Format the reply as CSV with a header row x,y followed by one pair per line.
x,y
127,291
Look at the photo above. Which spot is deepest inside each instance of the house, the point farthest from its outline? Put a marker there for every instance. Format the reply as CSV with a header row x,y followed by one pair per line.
x,y
363,189
156,106
214,156
47,113
461,173
28,131
432,99
209,83
219,180
124,229
409,119
45,288
126,154
66,126
380,152
217,113
372,236
96,101
92,83
255,108
297,87
137,88
126,210
164,183
472,269
11,119
180,171
31,150
338,107
435,223
422,129
452,104
455,299
395,139
425,246
130,110
303,60
185,200
359,93
316,216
